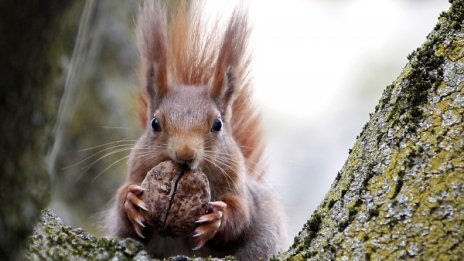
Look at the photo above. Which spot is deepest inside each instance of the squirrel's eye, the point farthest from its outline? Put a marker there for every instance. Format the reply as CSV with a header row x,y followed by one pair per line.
x,y
155,124
217,125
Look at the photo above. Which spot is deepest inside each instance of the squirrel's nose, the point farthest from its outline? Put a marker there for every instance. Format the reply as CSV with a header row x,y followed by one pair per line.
x,y
185,155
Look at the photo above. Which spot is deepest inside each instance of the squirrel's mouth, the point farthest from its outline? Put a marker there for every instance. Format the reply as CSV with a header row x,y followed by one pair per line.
x,y
187,166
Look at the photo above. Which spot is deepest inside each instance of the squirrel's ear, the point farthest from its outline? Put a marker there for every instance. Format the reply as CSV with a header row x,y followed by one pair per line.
x,y
231,63
156,86
223,89
152,38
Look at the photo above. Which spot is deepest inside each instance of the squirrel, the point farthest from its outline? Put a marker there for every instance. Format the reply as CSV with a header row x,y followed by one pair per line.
x,y
197,111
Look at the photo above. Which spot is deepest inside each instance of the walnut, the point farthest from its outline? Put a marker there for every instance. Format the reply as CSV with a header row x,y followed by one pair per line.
x,y
175,198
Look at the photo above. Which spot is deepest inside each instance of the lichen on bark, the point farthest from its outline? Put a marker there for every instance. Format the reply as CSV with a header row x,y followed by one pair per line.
x,y
53,240
400,193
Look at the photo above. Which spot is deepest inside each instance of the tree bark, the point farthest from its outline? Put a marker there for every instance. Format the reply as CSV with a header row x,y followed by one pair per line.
x,y
29,99
400,194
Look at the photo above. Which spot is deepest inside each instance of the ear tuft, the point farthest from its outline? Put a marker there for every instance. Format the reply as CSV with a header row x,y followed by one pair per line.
x,y
223,95
152,38
232,60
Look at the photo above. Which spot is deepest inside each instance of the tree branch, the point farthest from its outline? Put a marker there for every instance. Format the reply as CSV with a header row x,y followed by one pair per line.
x,y
400,194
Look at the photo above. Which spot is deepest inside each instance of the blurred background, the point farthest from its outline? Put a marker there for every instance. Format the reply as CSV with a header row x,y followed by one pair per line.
x,y
319,69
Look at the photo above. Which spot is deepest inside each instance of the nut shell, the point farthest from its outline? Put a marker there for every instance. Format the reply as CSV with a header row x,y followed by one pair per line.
x,y
175,198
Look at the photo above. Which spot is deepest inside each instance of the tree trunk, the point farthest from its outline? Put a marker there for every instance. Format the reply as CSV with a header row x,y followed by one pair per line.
x,y
29,100
400,194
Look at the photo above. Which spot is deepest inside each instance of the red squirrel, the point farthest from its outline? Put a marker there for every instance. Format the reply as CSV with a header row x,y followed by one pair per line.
x,y
198,112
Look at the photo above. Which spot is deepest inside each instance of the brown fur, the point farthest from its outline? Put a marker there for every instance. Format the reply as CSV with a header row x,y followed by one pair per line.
x,y
194,55
192,76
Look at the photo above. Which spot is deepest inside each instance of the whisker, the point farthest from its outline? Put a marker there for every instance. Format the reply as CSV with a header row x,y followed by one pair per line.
x,y
95,154
106,144
229,179
226,160
105,156
143,151
115,127
107,168
220,169
85,169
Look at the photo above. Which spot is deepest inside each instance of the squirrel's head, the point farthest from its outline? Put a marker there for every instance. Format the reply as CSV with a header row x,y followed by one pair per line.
x,y
188,72
191,124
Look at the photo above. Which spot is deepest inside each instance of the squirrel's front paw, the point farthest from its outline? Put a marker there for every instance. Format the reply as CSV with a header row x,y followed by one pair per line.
x,y
209,223
134,206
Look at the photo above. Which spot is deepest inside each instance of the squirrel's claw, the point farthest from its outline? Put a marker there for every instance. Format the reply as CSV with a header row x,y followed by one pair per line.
x,y
136,201
139,233
209,223
204,233
216,206
132,206
136,189
210,217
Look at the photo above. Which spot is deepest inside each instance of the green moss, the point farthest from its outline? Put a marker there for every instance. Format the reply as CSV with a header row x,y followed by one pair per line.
x,y
54,241
314,223
454,50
